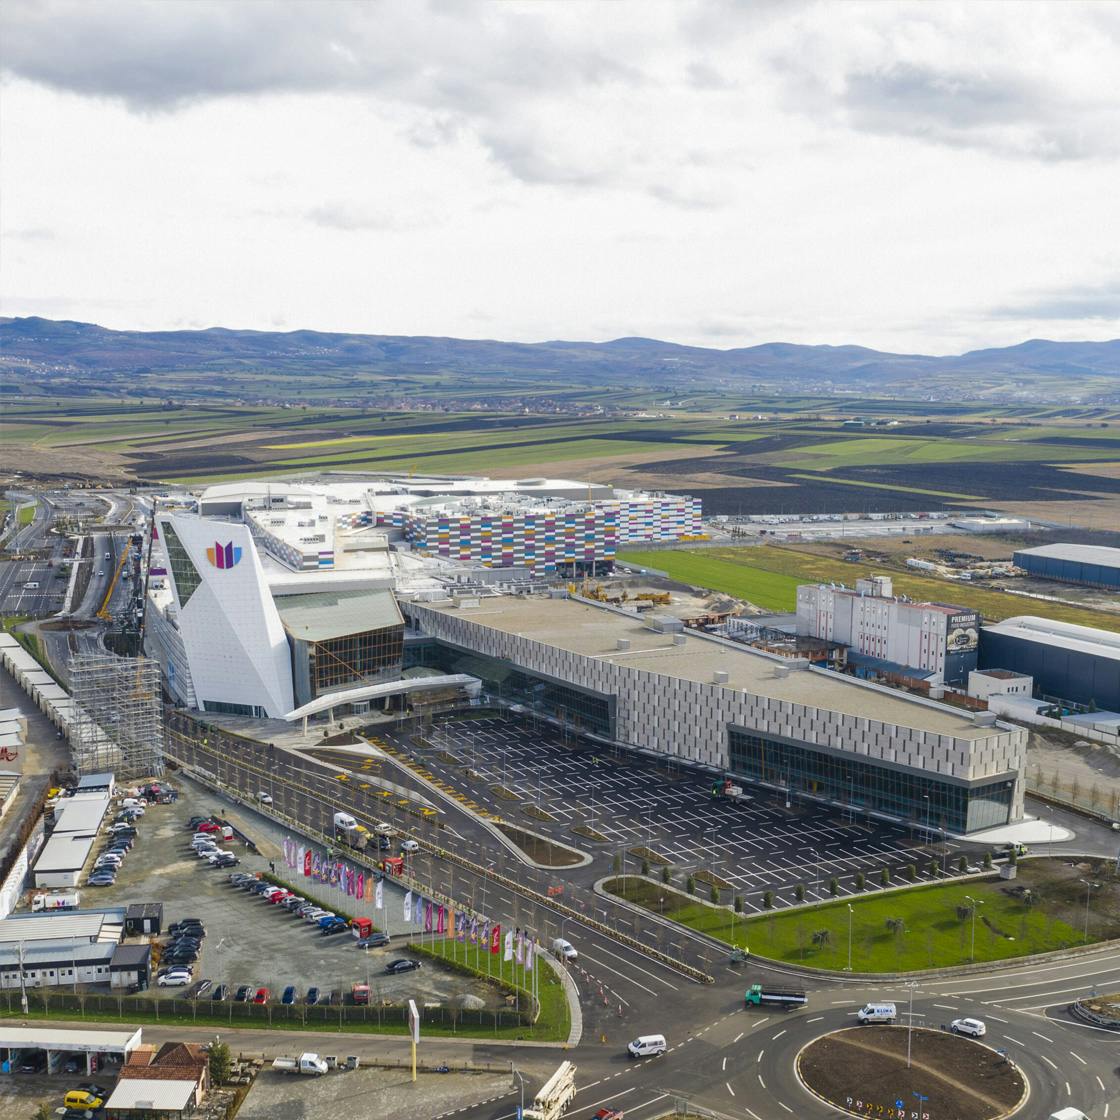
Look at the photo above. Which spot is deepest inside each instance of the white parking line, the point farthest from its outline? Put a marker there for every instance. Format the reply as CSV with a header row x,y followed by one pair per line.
x,y
729,1089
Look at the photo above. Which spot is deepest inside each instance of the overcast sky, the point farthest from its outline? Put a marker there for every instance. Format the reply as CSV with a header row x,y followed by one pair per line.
x,y
917,177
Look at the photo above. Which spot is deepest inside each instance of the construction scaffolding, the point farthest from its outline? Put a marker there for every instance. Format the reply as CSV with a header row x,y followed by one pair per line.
x,y
118,715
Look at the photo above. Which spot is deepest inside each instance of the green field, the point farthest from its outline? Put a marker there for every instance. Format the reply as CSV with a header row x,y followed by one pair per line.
x,y
932,933
768,576
774,591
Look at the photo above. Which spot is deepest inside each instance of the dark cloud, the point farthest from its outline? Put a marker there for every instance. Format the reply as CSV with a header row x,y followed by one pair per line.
x,y
1088,301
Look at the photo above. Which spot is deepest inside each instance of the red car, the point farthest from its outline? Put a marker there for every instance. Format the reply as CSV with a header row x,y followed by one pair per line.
x,y
263,995
209,826
608,1114
279,896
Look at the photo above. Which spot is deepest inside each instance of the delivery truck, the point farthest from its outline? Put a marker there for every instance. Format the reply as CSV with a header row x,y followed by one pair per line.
x,y
56,900
770,995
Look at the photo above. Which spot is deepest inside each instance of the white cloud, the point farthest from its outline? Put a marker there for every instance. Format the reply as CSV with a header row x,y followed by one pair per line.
x,y
903,175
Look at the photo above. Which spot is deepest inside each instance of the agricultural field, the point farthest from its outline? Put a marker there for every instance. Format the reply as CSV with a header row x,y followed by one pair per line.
x,y
793,455
768,575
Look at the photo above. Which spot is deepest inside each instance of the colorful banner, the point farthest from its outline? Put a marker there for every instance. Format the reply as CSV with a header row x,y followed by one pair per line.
x,y
495,938
307,863
474,931
441,920
530,953
518,942
428,916
408,907
360,886
378,894
508,955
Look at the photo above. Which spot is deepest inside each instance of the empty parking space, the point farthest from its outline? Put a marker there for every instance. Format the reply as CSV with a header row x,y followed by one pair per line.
x,y
755,844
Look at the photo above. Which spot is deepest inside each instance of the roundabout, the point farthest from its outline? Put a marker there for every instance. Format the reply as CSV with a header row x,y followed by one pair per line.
x,y
890,1071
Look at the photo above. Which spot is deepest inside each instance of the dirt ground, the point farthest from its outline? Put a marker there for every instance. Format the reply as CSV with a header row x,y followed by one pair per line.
x,y
1088,774
863,1069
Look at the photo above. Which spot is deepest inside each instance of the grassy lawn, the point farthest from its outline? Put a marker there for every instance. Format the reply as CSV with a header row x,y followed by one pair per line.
x,y
931,935
772,590
554,1022
768,575
26,514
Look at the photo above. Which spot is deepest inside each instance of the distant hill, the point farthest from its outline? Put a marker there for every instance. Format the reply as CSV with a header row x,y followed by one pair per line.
x,y
84,347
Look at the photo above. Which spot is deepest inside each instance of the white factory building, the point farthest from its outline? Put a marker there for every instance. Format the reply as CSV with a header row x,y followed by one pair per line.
x,y
938,639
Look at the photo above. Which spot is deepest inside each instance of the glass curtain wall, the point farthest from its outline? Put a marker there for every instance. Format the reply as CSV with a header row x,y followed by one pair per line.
x,y
900,793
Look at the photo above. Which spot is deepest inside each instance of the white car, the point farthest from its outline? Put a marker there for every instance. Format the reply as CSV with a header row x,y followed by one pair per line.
x,y
264,798
974,1028
178,978
565,948
410,846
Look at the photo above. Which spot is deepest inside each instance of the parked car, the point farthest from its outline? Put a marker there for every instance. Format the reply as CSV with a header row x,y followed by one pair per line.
x,y
374,941
239,877
220,993
312,996
244,991
203,987
94,1088
176,978
101,879
395,968
209,826
264,798
410,846
289,996
292,904
263,995
80,1098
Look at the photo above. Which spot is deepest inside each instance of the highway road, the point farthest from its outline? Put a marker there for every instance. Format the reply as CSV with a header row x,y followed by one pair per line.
x,y
737,1062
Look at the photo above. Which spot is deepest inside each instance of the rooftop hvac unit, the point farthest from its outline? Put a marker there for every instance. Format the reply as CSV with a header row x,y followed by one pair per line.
x,y
719,676
665,625
984,719
781,671
679,639
623,643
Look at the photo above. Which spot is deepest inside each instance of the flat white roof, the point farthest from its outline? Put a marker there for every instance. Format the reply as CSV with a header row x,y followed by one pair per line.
x,y
80,814
1079,553
1066,635
150,1093
66,851
58,1038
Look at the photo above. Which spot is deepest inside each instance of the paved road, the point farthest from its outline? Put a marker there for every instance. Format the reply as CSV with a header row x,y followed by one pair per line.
x,y
737,1062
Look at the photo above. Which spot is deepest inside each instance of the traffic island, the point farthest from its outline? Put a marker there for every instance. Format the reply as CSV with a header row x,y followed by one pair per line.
x,y
863,1071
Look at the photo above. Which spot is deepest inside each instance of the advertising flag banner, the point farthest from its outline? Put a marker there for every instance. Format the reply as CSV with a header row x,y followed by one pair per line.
x,y
518,942
360,886
378,894
428,916
408,907
495,938
474,931
307,863
451,920
316,868
484,934
369,887
441,920
530,953
508,955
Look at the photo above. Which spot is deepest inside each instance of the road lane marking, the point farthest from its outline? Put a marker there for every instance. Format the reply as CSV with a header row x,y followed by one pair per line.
x,y
1079,1058
816,1020
621,975
1014,1040
1043,1037
729,1089
761,1082
1053,1065
779,1035
760,1053
786,1107
736,1038
724,1066
945,1006
1100,1083
1069,1091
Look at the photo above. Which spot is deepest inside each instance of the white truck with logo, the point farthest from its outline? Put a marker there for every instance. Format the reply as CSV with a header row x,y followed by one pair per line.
x,y
310,1064
56,900
555,1095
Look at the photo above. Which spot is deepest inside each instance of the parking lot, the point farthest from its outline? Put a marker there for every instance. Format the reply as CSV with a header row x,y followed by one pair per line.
x,y
756,844
249,941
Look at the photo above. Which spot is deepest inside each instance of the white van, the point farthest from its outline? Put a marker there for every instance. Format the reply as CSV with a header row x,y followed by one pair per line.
x,y
647,1046
877,1013
565,949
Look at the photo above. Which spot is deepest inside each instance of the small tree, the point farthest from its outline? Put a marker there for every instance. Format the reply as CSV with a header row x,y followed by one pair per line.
x,y
962,863
822,937
861,880
799,892
666,874
221,1062
931,868
768,900
834,886
738,904
987,861
911,872
1012,857
896,925
645,866
690,883
885,876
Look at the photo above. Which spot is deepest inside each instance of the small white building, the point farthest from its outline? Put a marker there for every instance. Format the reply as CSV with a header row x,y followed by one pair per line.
x,y
63,856
986,683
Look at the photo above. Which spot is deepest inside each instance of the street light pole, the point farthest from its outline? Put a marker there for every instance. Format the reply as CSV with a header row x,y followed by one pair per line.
x,y
517,1074
976,902
851,913
1089,887
910,1023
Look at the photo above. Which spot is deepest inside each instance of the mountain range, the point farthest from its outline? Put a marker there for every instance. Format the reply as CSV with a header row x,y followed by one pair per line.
x,y
59,345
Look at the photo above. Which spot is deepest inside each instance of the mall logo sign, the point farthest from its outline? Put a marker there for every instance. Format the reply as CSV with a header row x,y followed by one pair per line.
x,y
223,555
